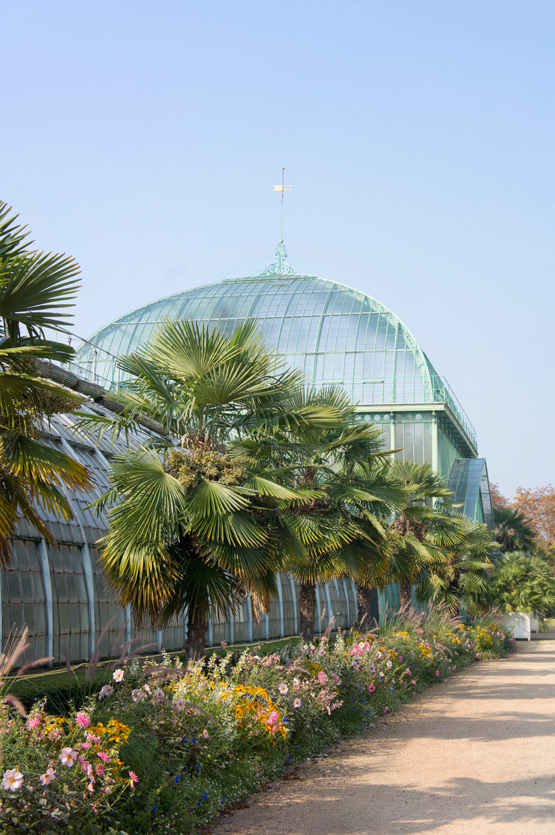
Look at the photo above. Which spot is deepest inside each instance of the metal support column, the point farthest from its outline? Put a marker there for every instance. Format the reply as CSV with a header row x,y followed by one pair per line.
x,y
127,616
280,603
231,620
48,598
294,604
89,585
328,604
249,616
435,443
318,610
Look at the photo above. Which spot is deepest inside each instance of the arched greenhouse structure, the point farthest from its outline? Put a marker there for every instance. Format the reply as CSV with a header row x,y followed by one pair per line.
x,y
336,335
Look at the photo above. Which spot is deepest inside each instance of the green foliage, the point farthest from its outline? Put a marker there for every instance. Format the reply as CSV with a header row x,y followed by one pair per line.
x,y
35,292
521,583
513,531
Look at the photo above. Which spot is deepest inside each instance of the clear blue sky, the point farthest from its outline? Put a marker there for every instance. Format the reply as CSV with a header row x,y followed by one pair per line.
x,y
145,138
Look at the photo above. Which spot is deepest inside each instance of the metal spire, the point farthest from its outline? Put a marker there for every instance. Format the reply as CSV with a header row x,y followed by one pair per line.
x,y
280,267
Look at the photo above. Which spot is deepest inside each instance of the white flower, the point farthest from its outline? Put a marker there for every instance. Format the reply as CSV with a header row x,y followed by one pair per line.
x,y
68,756
12,779
296,682
107,690
138,695
48,776
283,688
297,703
205,734
158,694
389,665
180,704
118,675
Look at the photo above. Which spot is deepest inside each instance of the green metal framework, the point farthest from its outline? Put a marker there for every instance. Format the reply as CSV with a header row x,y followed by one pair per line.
x,y
335,334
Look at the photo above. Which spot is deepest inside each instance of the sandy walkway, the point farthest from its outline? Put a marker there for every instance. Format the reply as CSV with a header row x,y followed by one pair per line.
x,y
474,755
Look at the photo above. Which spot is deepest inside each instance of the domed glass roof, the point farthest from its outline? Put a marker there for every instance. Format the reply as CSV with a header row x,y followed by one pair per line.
x,y
333,333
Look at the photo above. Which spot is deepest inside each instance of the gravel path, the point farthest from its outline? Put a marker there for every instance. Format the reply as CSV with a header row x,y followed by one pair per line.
x,y
475,754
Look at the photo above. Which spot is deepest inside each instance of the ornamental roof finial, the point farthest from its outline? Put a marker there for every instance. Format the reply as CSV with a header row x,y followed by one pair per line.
x,y
280,267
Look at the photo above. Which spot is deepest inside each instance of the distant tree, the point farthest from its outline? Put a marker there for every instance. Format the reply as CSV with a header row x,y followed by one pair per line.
x,y
538,506
497,498
513,531
547,555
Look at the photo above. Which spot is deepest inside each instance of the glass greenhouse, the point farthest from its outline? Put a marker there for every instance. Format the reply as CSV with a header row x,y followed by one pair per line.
x,y
336,335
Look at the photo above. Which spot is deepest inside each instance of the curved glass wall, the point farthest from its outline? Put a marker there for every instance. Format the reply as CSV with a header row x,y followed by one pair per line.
x,y
334,334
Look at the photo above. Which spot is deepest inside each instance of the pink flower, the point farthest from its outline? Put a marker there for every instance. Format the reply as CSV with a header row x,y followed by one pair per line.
x,y
297,703
83,719
371,688
437,672
48,776
413,682
68,756
12,779
133,777
420,631
408,672
205,734
322,677
385,709
33,722
272,718
335,677
103,756
100,769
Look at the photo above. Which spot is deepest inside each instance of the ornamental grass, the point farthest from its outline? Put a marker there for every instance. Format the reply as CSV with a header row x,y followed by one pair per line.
x,y
165,748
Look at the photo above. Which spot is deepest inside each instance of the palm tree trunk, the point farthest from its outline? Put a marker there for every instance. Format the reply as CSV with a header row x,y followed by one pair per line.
x,y
406,594
368,612
197,628
307,607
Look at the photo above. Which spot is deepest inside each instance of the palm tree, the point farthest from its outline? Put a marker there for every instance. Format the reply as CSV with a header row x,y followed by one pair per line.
x,y
340,471
422,528
513,531
193,527
35,290
522,583
461,580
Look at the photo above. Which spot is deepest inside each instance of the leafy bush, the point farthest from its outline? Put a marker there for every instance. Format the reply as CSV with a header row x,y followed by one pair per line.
x,y
522,583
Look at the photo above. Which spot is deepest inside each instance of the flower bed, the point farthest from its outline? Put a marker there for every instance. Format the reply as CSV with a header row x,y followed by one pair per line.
x,y
163,749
